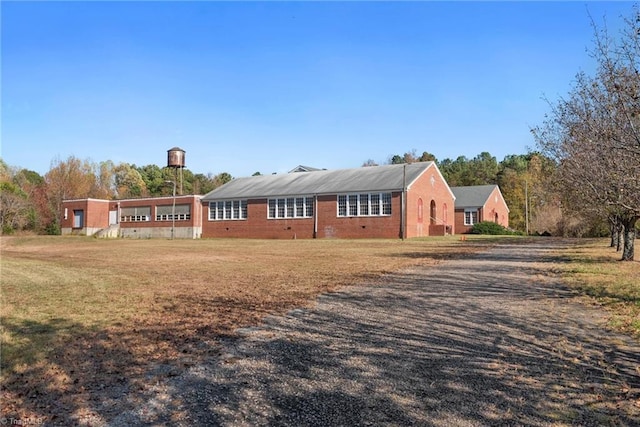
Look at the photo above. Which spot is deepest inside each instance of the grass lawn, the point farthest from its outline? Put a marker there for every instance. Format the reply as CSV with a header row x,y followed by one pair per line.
x,y
596,272
73,301
78,313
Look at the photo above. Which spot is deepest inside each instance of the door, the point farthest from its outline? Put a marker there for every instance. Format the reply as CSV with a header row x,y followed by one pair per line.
x,y
433,213
113,217
78,218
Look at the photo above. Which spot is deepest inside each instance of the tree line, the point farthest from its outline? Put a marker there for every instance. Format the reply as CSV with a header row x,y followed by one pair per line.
x,y
31,202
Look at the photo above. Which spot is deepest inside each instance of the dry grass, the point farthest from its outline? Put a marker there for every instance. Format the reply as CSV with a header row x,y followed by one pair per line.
x,y
79,312
595,271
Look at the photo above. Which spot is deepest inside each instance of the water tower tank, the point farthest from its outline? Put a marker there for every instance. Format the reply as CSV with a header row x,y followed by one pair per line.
x,y
175,158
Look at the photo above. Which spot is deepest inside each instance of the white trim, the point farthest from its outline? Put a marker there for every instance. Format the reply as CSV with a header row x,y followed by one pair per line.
x,y
242,210
347,199
291,212
471,211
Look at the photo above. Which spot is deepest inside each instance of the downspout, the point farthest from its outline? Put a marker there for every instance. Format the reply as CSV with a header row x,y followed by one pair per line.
x,y
403,218
315,216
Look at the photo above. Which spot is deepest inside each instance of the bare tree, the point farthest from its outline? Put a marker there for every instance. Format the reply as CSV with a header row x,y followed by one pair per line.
x,y
14,206
594,136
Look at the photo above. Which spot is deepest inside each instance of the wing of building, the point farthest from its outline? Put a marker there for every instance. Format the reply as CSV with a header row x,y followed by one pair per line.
x,y
391,201
142,218
479,203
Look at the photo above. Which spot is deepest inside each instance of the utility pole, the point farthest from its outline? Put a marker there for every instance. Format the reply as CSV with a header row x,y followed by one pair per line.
x,y
403,218
173,209
526,205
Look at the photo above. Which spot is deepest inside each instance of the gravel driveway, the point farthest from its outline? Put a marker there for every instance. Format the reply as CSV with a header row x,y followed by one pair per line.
x,y
488,340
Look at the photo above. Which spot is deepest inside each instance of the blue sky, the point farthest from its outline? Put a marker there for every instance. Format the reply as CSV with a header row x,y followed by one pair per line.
x,y
266,86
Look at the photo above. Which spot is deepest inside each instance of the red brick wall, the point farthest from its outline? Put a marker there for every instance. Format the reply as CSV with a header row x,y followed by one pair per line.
x,y
496,205
194,221
329,225
460,227
429,186
96,213
257,225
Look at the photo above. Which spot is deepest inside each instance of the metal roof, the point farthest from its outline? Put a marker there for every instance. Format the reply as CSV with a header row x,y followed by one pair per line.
x,y
363,179
473,195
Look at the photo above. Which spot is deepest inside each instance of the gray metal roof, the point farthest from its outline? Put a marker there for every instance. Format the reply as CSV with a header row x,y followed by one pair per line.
x,y
364,179
472,196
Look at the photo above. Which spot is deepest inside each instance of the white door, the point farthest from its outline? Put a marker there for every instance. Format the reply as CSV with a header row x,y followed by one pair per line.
x,y
113,217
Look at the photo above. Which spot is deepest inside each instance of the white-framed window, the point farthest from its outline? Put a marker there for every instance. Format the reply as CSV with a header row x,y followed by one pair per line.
x,y
364,204
374,201
290,207
228,210
135,214
165,213
470,216
386,203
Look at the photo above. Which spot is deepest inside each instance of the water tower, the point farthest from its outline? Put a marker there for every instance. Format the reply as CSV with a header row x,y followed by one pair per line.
x,y
175,160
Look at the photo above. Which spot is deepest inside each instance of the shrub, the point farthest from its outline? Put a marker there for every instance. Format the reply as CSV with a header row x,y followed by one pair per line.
x,y
488,227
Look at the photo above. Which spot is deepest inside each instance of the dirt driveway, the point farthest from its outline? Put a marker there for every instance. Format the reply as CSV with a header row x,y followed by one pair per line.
x,y
489,340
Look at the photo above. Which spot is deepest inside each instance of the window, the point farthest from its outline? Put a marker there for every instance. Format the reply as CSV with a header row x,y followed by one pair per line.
x,y
353,204
376,204
342,205
165,213
291,207
228,210
135,214
363,208
308,207
272,208
470,216
237,209
299,205
281,205
386,203
291,204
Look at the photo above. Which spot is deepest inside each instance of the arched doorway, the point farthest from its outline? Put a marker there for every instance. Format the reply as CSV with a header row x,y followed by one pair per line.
x,y
419,226
432,213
